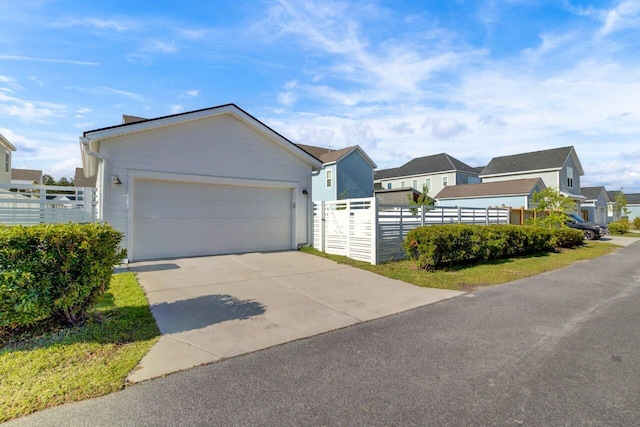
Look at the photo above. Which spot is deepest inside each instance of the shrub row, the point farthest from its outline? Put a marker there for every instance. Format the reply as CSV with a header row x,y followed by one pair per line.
x,y
435,246
54,273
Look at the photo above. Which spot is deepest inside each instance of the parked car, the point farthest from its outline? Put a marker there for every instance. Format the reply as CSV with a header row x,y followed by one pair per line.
x,y
590,230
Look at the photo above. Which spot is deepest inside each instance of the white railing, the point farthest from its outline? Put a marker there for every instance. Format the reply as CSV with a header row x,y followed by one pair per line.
x,y
363,230
24,204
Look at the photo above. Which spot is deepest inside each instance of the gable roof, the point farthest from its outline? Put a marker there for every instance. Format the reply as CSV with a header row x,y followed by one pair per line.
x,y
329,155
428,164
553,159
514,187
592,193
79,180
5,142
90,140
31,175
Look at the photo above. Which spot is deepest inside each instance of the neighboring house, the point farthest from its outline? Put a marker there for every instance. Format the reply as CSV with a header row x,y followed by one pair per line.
x,y
346,173
26,176
436,172
594,207
516,193
79,180
211,181
6,149
633,205
559,168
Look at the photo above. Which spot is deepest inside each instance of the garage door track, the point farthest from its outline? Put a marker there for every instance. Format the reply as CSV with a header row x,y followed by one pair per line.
x,y
210,308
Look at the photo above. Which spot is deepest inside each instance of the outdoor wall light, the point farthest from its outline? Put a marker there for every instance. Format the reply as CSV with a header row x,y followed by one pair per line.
x,y
304,191
116,181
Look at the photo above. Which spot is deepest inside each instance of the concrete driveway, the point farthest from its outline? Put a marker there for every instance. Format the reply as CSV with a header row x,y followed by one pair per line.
x,y
211,308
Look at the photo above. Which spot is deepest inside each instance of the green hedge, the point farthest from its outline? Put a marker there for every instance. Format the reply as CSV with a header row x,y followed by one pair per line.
x,y
435,246
54,273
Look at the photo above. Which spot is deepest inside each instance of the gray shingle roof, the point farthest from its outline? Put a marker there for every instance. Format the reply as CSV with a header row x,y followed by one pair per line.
x,y
80,181
486,189
633,198
429,164
537,160
326,155
591,193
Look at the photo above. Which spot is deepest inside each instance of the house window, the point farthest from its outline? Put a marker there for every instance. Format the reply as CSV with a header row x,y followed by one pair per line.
x,y
569,177
444,181
329,179
388,186
427,182
7,165
414,184
402,183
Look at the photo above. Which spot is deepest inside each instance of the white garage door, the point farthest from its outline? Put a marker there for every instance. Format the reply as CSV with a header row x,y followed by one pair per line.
x,y
176,219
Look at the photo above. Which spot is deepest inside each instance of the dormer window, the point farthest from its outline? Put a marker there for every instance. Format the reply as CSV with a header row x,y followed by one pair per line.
x,y
569,177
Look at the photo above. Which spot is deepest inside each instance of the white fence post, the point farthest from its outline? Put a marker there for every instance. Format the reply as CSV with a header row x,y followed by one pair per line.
x,y
348,229
323,226
374,231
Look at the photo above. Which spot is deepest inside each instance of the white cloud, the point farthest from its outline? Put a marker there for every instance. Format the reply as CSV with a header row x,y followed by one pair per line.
x,y
445,128
97,23
193,93
175,109
162,47
48,60
625,15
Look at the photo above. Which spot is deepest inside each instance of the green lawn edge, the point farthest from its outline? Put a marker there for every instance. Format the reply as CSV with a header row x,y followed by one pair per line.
x,y
477,275
80,362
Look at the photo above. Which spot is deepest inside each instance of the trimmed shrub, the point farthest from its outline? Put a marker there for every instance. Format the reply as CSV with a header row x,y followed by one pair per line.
x,y
54,273
636,223
619,227
566,237
435,246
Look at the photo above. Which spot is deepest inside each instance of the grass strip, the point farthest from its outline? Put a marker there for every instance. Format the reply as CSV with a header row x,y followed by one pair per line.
x,y
79,362
477,275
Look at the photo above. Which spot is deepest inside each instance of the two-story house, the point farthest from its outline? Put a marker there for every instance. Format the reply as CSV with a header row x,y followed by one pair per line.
x,y
435,172
7,148
346,173
559,168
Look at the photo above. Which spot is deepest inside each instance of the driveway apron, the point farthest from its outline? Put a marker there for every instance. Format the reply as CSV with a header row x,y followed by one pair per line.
x,y
211,308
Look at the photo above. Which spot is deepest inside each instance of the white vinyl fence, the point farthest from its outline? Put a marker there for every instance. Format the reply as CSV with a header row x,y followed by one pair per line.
x,y
362,229
24,204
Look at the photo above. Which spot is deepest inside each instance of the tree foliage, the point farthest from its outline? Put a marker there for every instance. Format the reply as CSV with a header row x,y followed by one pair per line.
x,y
423,200
552,205
620,203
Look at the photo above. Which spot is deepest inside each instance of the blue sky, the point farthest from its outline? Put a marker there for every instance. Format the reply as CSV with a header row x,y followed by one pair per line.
x,y
402,79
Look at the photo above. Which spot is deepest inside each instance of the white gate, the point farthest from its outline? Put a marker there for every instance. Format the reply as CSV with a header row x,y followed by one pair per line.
x,y
25,204
362,229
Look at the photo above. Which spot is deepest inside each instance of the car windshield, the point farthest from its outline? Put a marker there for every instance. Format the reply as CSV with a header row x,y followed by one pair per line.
x,y
576,218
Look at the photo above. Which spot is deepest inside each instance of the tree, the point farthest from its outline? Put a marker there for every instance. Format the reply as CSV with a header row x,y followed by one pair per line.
x,y
423,200
48,180
553,205
620,204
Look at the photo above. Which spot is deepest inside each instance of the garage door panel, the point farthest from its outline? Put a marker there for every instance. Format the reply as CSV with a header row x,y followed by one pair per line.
x,y
173,219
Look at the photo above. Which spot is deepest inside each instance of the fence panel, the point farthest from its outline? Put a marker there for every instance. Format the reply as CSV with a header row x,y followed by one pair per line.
x,y
24,204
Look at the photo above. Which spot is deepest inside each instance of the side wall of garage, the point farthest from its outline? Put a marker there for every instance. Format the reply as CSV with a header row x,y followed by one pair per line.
x,y
220,151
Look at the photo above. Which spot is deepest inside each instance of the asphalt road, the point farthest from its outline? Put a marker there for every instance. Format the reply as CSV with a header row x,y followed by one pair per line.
x,y
562,348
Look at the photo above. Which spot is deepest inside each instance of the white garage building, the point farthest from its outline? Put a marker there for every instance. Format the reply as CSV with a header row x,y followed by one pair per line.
x,y
205,182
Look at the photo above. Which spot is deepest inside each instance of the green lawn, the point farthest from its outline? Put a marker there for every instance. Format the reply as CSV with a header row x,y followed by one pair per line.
x,y
80,362
473,276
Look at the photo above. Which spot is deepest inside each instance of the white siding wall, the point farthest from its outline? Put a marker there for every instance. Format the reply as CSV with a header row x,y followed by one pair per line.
x,y
550,179
220,146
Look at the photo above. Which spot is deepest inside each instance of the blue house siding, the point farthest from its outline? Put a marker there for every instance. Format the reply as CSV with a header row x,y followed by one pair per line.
x,y
564,187
485,202
319,184
355,177
634,211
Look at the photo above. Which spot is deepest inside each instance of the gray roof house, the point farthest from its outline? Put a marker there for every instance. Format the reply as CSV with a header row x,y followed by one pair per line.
x,y
346,173
557,167
26,176
633,205
594,207
514,193
436,172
